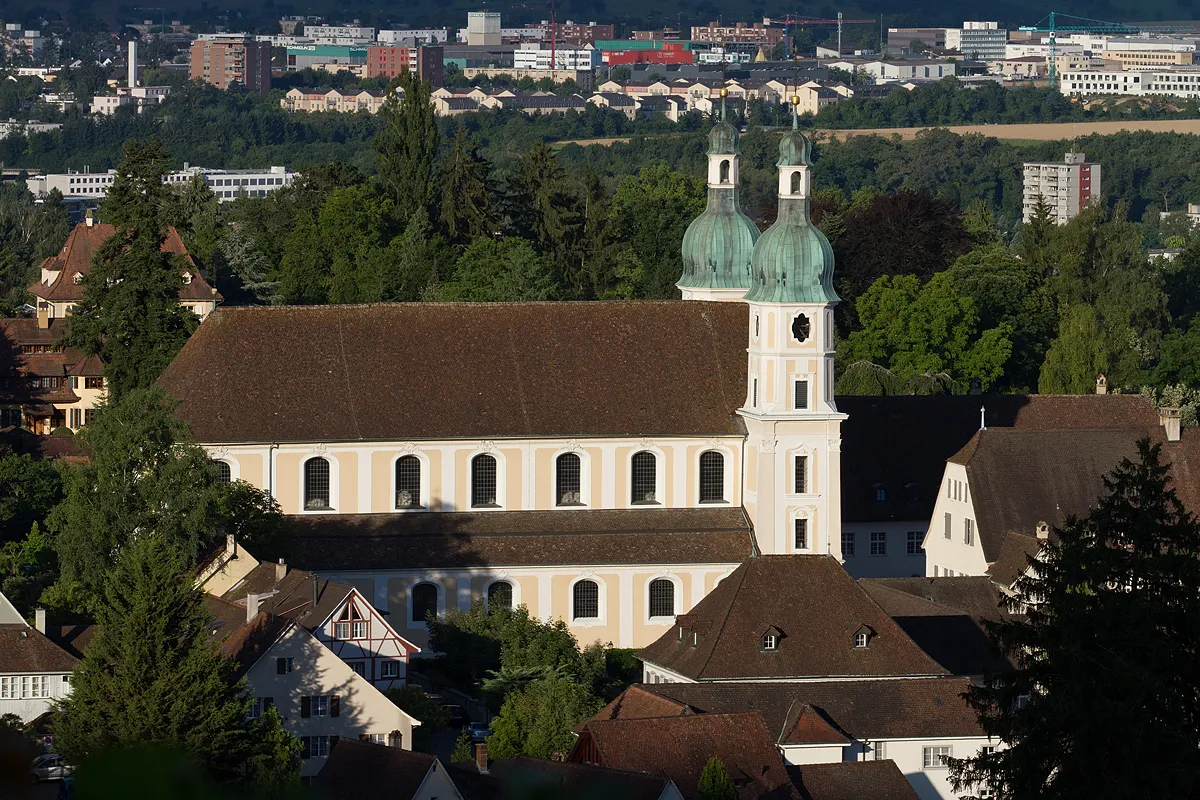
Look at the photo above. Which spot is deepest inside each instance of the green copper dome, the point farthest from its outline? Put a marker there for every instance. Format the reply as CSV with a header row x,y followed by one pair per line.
x,y
718,245
723,140
792,261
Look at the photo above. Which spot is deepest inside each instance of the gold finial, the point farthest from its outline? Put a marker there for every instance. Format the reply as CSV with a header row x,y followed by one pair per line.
x,y
795,99
724,92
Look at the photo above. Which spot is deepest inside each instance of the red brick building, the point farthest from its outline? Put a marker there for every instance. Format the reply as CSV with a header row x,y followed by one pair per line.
x,y
226,60
389,62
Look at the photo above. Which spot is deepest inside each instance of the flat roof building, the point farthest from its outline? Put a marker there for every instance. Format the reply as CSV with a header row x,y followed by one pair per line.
x,y
1068,187
225,60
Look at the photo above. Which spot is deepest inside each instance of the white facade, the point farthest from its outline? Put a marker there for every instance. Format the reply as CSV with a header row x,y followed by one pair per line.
x,y
426,35
483,28
952,546
983,40
1067,186
1181,81
537,57
333,34
31,694
884,71
884,549
227,185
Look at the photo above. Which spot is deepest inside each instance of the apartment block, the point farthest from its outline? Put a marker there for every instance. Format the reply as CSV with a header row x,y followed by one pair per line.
x,y
756,33
1067,186
537,57
389,62
1148,53
575,33
982,40
1179,81
225,60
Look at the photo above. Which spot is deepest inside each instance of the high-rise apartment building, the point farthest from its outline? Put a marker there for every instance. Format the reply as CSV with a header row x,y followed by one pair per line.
x,y
389,62
483,28
1066,186
228,59
982,40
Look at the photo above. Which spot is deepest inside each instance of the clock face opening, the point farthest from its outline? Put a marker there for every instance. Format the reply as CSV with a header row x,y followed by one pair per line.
x,y
801,327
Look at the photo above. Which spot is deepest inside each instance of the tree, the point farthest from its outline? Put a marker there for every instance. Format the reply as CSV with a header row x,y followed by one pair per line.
x,y
1105,654
914,330
541,206
433,716
29,489
414,261
715,783
500,270
467,191
27,568
407,146
1077,356
249,266
130,313
195,212
304,269
538,720
462,749
153,676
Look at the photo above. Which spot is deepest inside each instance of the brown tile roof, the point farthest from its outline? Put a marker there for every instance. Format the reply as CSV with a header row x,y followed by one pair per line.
x,y
852,780
360,769
526,777
24,649
682,746
455,370
75,639
1016,550
864,709
80,249
243,642
953,635
638,703
16,366
521,538
293,597
1018,478
814,604
930,430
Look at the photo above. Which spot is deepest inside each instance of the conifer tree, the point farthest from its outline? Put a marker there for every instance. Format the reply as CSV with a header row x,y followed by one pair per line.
x,y
153,677
1105,697
407,146
467,191
130,313
715,783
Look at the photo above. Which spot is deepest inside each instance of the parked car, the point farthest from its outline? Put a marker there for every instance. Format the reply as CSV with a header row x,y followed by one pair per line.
x,y
479,732
458,717
50,768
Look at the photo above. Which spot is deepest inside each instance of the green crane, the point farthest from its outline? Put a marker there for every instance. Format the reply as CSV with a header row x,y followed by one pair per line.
x,y
1049,24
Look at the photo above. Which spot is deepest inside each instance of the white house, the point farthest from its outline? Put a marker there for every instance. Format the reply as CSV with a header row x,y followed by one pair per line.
x,y
34,671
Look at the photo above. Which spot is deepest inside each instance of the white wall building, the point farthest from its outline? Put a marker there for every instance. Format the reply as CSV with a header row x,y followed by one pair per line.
x,y
982,40
1180,81
334,34
1068,186
227,185
34,671
886,71
538,57
424,35
483,28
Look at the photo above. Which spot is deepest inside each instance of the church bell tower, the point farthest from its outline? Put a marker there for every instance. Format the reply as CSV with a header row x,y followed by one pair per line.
x,y
793,448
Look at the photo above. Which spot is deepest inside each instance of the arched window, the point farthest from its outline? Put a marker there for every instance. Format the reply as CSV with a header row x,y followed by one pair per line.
x,y
585,601
316,483
567,480
725,171
712,477
424,601
500,595
645,477
662,598
224,472
483,480
408,482
797,182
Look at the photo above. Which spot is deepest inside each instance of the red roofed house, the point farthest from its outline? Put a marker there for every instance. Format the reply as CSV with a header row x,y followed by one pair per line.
x,y
34,671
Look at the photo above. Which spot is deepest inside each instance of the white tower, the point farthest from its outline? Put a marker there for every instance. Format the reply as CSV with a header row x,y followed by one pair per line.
x,y
793,483
132,63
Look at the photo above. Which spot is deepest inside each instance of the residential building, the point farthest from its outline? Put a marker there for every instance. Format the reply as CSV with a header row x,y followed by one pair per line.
x,y
879,779
427,36
884,71
980,40
34,671
754,33
326,56
814,97
137,96
424,510
225,60
226,184
537,57
900,41
1022,68
45,386
617,102
1067,187
320,698
1192,213
60,287
483,28
338,615
574,34
339,34
355,769
390,62
1137,52
325,99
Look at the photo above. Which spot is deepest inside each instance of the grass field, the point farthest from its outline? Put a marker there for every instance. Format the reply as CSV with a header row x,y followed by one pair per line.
x,y
1034,132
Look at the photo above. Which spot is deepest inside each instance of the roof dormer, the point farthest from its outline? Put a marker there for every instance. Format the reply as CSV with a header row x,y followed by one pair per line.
x,y
862,637
770,639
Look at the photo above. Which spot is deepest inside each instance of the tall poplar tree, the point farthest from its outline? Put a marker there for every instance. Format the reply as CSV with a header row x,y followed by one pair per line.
x,y
153,677
407,147
1105,697
130,314
467,210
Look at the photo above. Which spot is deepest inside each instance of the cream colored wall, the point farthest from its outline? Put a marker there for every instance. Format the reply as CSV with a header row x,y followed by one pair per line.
x,y
364,709
362,474
953,554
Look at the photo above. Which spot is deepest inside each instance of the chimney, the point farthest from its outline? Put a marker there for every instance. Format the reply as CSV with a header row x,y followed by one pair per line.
x,y
481,757
231,545
43,316
39,620
1101,385
251,607
1170,422
132,63
280,570
1043,531
90,218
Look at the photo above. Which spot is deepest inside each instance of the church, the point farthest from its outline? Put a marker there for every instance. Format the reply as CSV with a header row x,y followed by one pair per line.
x,y
604,463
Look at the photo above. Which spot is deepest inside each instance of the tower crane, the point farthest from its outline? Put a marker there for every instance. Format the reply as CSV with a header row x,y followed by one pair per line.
x,y
791,19
1049,24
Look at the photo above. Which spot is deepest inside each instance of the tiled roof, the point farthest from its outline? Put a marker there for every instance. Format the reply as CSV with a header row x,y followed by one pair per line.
x,y
358,769
1016,551
638,703
293,597
513,369
817,609
946,621
852,780
16,332
680,747
244,642
520,538
80,249
75,639
525,777
929,430
863,710
24,649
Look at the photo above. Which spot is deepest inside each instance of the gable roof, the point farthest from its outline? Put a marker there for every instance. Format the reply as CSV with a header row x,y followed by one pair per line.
x,y
524,776
300,596
682,747
817,606
80,249
852,780
355,769
638,703
75,639
860,709
1016,551
521,538
245,642
386,372
25,649
8,612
